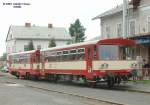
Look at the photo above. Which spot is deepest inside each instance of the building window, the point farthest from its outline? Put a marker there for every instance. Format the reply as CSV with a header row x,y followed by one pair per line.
x,y
10,36
148,20
108,31
14,49
25,47
8,50
132,28
119,30
39,47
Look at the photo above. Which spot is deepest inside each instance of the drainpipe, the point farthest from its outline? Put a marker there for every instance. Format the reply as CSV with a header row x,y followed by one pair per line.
x,y
124,18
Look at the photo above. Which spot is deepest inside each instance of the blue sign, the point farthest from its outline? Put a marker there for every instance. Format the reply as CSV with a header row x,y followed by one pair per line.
x,y
143,41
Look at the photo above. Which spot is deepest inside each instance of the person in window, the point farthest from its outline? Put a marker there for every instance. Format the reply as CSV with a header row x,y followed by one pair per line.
x,y
146,67
134,73
81,57
139,67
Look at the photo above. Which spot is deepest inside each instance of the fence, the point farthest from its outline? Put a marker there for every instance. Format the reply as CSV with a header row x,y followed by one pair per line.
x,y
141,74
146,73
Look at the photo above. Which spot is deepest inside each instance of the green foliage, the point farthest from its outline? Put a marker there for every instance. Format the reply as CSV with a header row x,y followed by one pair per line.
x,y
1,67
30,46
4,57
69,42
77,31
144,82
52,43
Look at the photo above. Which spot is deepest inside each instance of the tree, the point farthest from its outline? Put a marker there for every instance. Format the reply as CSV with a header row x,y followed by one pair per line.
x,y
52,43
30,46
69,42
4,57
77,31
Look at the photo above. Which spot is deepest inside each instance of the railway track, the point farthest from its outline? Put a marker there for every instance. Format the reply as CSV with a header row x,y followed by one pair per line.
x,y
43,86
104,87
117,88
66,93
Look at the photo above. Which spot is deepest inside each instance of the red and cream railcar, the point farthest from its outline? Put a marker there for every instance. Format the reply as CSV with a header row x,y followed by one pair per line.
x,y
93,61
25,64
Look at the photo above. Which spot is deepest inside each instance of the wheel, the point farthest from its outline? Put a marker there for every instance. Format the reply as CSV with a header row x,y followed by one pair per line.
x,y
110,82
91,84
118,80
17,75
27,76
35,78
56,78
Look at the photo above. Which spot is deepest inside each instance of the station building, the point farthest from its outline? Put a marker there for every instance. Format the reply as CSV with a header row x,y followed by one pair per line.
x,y
138,25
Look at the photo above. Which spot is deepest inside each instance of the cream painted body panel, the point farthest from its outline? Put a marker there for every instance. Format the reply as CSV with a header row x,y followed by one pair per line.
x,y
73,65
37,66
20,66
113,65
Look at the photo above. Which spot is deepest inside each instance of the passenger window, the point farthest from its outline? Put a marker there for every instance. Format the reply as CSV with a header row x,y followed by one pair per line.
x,y
65,56
89,53
94,55
81,54
73,54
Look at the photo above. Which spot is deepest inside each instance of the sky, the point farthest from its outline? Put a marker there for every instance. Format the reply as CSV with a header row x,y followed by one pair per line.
x,y
60,13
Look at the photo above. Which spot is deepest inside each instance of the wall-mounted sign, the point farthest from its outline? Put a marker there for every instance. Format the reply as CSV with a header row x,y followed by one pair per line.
x,y
143,41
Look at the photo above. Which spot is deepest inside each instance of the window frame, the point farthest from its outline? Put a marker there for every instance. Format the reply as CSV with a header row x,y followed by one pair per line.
x,y
121,31
148,21
130,33
107,31
103,57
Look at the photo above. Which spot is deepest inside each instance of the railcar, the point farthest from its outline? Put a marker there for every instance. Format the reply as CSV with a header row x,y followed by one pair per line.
x,y
23,64
108,60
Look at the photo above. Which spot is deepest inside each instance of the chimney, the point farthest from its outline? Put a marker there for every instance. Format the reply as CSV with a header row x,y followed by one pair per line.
x,y
27,24
50,25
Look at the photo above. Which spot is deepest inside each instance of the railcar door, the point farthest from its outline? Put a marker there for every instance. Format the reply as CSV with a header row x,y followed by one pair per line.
x,y
37,60
42,63
35,64
89,53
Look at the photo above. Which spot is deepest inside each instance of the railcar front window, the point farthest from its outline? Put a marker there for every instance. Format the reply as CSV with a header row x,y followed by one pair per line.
x,y
128,52
109,52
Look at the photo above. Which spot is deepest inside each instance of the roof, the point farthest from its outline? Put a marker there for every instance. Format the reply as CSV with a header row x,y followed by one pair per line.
x,y
114,41
38,32
95,38
24,52
117,41
72,45
111,12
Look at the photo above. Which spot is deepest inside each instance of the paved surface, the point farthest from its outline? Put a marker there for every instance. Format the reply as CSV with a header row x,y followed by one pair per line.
x,y
139,87
18,94
124,97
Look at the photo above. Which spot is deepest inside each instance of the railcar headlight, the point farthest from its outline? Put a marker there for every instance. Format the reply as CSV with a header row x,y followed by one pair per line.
x,y
104,66
133,65
89,69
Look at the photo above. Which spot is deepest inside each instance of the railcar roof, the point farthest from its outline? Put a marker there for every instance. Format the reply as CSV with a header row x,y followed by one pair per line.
x,y
114,41
25,52
117,41
72,45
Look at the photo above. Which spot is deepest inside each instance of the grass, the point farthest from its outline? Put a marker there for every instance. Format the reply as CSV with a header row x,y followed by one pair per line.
x,y
146,82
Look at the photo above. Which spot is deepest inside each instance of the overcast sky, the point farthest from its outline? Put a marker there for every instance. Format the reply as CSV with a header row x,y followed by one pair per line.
x,y
61,13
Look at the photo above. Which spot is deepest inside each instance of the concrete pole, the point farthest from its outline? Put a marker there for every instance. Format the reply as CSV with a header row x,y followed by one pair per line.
x,y
124,18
